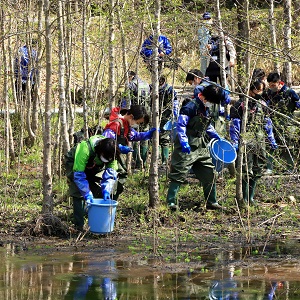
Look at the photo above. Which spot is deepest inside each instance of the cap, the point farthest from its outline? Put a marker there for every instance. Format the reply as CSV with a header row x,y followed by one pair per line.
x,y
206,16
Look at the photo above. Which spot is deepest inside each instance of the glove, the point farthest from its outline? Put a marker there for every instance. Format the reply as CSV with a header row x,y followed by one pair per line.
x,y
274,146
212,133
125,149
148,135
106,195
185,147
236,147
89,197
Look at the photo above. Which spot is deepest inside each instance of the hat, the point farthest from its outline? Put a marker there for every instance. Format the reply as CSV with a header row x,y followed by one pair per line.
x,y
206,16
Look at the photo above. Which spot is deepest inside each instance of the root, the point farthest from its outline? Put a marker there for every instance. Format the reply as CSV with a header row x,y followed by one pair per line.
x,y
47,224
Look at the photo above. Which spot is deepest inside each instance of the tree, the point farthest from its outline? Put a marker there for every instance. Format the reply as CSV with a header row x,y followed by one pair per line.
x,y
47,173
153,176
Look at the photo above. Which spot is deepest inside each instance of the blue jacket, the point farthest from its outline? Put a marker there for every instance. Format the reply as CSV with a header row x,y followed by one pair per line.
x,y
164,46
22,63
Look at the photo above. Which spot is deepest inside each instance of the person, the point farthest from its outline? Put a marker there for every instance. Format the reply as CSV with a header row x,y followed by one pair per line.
x,y
285,100
213,70
121,129
168,108
190,147
258,125
217,112
25,68
83,162
204,37
147,51
137,92
259,73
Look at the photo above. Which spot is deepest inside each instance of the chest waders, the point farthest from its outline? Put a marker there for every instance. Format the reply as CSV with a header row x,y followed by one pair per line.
x,y
256,154
199,159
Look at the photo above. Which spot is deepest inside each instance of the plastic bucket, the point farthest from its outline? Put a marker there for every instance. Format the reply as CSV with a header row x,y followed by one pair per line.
x,y
171,126
101,215
222,153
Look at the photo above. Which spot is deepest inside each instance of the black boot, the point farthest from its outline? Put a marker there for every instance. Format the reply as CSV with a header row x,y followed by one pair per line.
x,y
210,195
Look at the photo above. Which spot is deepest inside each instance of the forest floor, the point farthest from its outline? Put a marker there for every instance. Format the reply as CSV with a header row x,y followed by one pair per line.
x,y
173,236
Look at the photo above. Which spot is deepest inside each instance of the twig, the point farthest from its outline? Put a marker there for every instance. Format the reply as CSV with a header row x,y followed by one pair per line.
x,y
271,219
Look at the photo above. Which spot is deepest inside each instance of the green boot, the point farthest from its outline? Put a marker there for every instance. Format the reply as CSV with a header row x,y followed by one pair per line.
x,y
252,188
165,155
144,153
249,190
210,195
172,193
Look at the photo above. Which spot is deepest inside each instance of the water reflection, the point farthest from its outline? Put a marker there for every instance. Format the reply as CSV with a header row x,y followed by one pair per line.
x,y
92,284
108,275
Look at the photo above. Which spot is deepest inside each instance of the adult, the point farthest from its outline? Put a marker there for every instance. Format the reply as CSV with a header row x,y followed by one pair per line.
x,y
137,92
190,147
147,51
83,163
213,70
25,69
285,100
168,109
204,37
259,126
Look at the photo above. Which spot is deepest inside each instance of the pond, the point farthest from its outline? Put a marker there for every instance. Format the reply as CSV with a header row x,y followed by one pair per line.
x,y
118,274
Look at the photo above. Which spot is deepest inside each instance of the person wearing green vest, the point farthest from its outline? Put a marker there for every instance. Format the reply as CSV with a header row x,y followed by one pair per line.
x,y
83,164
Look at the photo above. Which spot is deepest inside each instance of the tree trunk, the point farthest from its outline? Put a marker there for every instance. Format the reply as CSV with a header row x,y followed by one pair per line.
x,y
61,77
221,46
273,36
84,64
243,57
244,73
47,175
153,176
287,66
9,149
111,51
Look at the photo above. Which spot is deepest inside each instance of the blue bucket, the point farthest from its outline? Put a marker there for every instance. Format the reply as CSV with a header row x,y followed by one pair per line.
x,y
171,126
222,153
101,215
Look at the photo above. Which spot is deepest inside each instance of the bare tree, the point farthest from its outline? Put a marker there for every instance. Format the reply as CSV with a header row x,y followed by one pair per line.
x,y
47,174
111,50
273,36
61,72
9,146
287,67
153,178
244,70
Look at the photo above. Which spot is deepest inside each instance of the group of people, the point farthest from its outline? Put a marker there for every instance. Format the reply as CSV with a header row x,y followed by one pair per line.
x,y
197,124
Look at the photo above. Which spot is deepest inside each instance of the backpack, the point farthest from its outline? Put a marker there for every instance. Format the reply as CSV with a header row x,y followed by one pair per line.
x,y
70,156
79,135
215,41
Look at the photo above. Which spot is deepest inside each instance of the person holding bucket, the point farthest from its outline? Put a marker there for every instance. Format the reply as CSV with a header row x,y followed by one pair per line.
x,y
83,163
190,147
258,126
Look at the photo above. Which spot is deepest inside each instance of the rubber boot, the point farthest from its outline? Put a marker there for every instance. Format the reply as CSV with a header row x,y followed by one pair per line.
x,y
252,187
172,194
210,195
78,212
249,190
165,155
144,154
245,188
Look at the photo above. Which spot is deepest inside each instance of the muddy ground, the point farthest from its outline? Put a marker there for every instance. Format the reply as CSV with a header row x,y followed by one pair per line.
x,y
161,234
